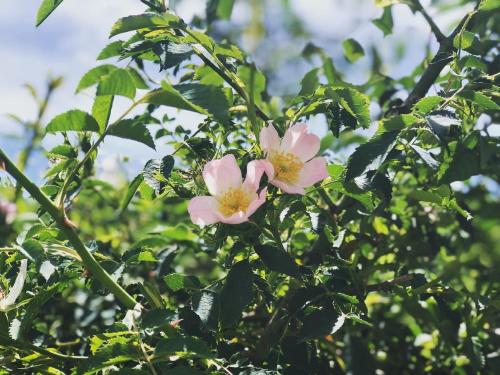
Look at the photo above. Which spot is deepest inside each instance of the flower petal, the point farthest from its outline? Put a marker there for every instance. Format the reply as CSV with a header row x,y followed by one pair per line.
x,y
204,210
222,174
299,142
237,218
256,203
269,138
313,172
287,188
255,170
267,167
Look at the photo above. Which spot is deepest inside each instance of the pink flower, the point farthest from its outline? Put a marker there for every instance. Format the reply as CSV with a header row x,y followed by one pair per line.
x,y
290,163
232,200
8,211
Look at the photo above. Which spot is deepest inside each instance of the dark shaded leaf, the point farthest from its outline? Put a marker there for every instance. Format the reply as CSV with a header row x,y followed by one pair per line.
x,y
237,293
319,323
277,260
133,130
352,50
370,155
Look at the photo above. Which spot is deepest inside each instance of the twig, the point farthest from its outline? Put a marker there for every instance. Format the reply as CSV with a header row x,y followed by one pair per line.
x,y
443,56
388,285
23,346
434,28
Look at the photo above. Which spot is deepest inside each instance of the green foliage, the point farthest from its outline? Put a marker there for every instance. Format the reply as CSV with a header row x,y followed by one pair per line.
x,y
389,265
45,9
352,50
74,120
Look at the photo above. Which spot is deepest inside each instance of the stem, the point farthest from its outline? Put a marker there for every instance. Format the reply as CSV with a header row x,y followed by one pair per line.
x,y
23,346
388,285
434,28
443,56
225,74
67,229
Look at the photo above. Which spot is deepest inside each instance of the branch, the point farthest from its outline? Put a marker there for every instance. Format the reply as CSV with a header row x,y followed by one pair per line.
x,y
388,285
23,346
226,75
443,56
434,28
67,229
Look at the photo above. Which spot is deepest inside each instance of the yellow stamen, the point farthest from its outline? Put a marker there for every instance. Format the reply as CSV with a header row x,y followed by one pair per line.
x,y
234,200
287,167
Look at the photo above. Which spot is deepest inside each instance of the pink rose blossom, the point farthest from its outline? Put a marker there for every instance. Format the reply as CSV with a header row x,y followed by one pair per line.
x,y
8,211
232,200
290,163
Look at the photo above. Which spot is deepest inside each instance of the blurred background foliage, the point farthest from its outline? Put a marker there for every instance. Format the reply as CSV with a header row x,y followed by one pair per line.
x,y
388,267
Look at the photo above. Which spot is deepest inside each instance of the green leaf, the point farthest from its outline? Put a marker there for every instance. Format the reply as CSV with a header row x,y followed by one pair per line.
x,y
370,155
396,123
259,81
479,99
206,304
425,105
237,293
137,78
34,250
204,99
133,130
386,3
354,102
45,10
319,323
224,9
157,318
142,21
465,163
353,51
309,83
118,82
385,22
101,110
425,156
278,260
74,120
489,5
131,190
93,76
182,346
111,50
178,281
172,54
156,172
463,40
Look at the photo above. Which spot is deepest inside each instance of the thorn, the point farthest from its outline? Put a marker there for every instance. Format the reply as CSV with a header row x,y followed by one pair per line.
x,y
68,222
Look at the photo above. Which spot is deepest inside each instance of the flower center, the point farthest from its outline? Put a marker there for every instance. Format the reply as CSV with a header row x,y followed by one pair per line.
x,y
286,167
234,200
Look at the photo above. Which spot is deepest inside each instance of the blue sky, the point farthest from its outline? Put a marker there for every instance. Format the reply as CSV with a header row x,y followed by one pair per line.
x,y
68,42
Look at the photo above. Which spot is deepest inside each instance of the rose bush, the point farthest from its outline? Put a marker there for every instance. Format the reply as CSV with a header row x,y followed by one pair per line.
x,y
384,262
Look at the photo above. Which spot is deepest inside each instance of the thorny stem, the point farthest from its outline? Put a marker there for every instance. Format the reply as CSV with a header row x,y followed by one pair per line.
x,y
68,231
